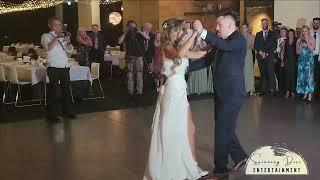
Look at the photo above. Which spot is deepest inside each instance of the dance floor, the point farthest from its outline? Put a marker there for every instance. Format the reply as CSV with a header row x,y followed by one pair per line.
x,y
113,145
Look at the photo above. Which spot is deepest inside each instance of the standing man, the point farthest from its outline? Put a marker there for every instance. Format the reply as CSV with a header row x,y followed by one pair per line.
x,y
134,40
98,49
149,43
315,32
58,69
229,91
265,45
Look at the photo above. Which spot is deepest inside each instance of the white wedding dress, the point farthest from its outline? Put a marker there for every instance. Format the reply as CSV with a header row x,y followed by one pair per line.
x,y
170,156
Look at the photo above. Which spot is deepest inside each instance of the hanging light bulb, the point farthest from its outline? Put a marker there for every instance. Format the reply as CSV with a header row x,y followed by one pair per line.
x,y
115,18
69,3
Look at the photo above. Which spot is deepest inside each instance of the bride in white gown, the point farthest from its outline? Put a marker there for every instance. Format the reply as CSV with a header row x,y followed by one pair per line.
x,y
172,149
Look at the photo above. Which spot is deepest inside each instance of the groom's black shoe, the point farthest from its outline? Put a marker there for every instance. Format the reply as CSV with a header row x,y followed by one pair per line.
x,y
237,167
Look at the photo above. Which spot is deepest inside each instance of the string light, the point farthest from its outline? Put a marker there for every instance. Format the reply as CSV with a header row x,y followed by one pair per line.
x,y
259,7
98,1
28,5
37,4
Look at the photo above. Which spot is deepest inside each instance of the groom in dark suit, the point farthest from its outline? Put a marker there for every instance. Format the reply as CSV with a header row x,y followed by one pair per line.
x,y
229,91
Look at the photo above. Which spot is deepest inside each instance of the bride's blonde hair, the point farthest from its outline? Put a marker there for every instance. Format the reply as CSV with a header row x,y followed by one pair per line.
x,y
170,26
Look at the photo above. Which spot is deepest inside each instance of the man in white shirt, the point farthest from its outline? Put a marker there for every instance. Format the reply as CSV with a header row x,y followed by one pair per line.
x,y
58,69
315,32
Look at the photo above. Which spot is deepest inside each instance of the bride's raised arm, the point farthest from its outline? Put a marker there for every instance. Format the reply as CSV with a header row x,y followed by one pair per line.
x,y
184,50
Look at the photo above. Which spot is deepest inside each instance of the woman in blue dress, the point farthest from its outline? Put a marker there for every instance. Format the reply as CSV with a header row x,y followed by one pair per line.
x,y
305,76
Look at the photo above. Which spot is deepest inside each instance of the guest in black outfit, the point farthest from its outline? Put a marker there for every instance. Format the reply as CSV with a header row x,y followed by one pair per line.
x,y
316,34
58,69
134,40
279,66
98,49
265,45
289,60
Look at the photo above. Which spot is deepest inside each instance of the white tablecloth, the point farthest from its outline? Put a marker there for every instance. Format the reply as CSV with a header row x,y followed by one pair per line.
x,y
79,73
38,74
114,58
28,73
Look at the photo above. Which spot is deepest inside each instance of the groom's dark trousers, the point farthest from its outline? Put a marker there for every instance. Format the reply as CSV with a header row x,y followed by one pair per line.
x,y
229,96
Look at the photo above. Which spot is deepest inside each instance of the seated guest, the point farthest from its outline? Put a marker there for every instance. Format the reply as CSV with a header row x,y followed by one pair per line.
x,y
84,45
32,54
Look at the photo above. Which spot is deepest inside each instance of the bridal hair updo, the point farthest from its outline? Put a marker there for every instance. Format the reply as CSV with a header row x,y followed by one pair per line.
x,y
171,27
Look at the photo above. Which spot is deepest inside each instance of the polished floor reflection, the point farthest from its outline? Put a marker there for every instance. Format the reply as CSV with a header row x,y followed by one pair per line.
x,y
113,145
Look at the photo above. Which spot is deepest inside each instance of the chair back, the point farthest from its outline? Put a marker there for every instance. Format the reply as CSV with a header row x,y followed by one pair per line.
x,y
95,68
19,54
2,74
11,74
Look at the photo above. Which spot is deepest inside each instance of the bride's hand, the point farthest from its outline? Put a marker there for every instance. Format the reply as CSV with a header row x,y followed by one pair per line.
x,y
202,53
194,55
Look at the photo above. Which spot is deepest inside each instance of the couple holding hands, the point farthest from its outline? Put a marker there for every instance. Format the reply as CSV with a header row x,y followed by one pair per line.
x,y
172,148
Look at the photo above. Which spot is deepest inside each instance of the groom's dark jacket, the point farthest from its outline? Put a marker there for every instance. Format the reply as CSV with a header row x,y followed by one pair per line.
x,y
228,74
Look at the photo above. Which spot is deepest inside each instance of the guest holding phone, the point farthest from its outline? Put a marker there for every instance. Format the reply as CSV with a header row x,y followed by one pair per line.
x,y
57,46
84,46
305,79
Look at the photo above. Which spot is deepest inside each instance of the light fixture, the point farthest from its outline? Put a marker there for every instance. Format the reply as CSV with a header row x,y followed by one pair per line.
x,y
27,5
115,18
